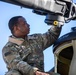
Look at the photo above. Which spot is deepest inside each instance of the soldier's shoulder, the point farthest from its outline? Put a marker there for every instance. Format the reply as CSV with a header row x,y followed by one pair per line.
x,y
8,46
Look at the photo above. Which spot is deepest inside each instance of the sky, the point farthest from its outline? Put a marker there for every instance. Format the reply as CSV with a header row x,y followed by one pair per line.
x,y
37,25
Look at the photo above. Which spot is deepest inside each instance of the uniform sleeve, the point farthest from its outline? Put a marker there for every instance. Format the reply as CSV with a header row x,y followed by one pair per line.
x,y
47,39
50,36
13,60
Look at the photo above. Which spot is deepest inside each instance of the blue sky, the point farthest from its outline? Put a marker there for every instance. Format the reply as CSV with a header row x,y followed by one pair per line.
x,y
37,25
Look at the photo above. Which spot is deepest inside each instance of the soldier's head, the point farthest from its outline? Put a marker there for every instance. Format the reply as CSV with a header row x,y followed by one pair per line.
x,y
19,26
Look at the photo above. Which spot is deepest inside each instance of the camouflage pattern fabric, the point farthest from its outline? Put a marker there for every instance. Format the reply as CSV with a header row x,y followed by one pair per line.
x,y
12,72
26,55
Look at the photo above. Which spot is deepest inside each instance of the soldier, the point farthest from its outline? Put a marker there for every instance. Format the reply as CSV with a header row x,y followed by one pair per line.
x,y
23,53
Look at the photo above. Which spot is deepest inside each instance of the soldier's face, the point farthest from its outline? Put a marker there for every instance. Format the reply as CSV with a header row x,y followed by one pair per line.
x,y
23,26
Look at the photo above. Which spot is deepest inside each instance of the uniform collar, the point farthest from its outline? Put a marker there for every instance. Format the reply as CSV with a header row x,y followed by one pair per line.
x,y
15,40
19,41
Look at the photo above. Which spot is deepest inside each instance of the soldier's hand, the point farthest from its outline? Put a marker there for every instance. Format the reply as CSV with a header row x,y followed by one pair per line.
x,y
41,73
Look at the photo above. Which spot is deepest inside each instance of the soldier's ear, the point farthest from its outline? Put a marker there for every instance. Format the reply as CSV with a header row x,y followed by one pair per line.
x,y
15,28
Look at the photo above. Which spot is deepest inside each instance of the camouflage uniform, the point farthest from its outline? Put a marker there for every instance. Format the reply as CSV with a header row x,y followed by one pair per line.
x,y
24,57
